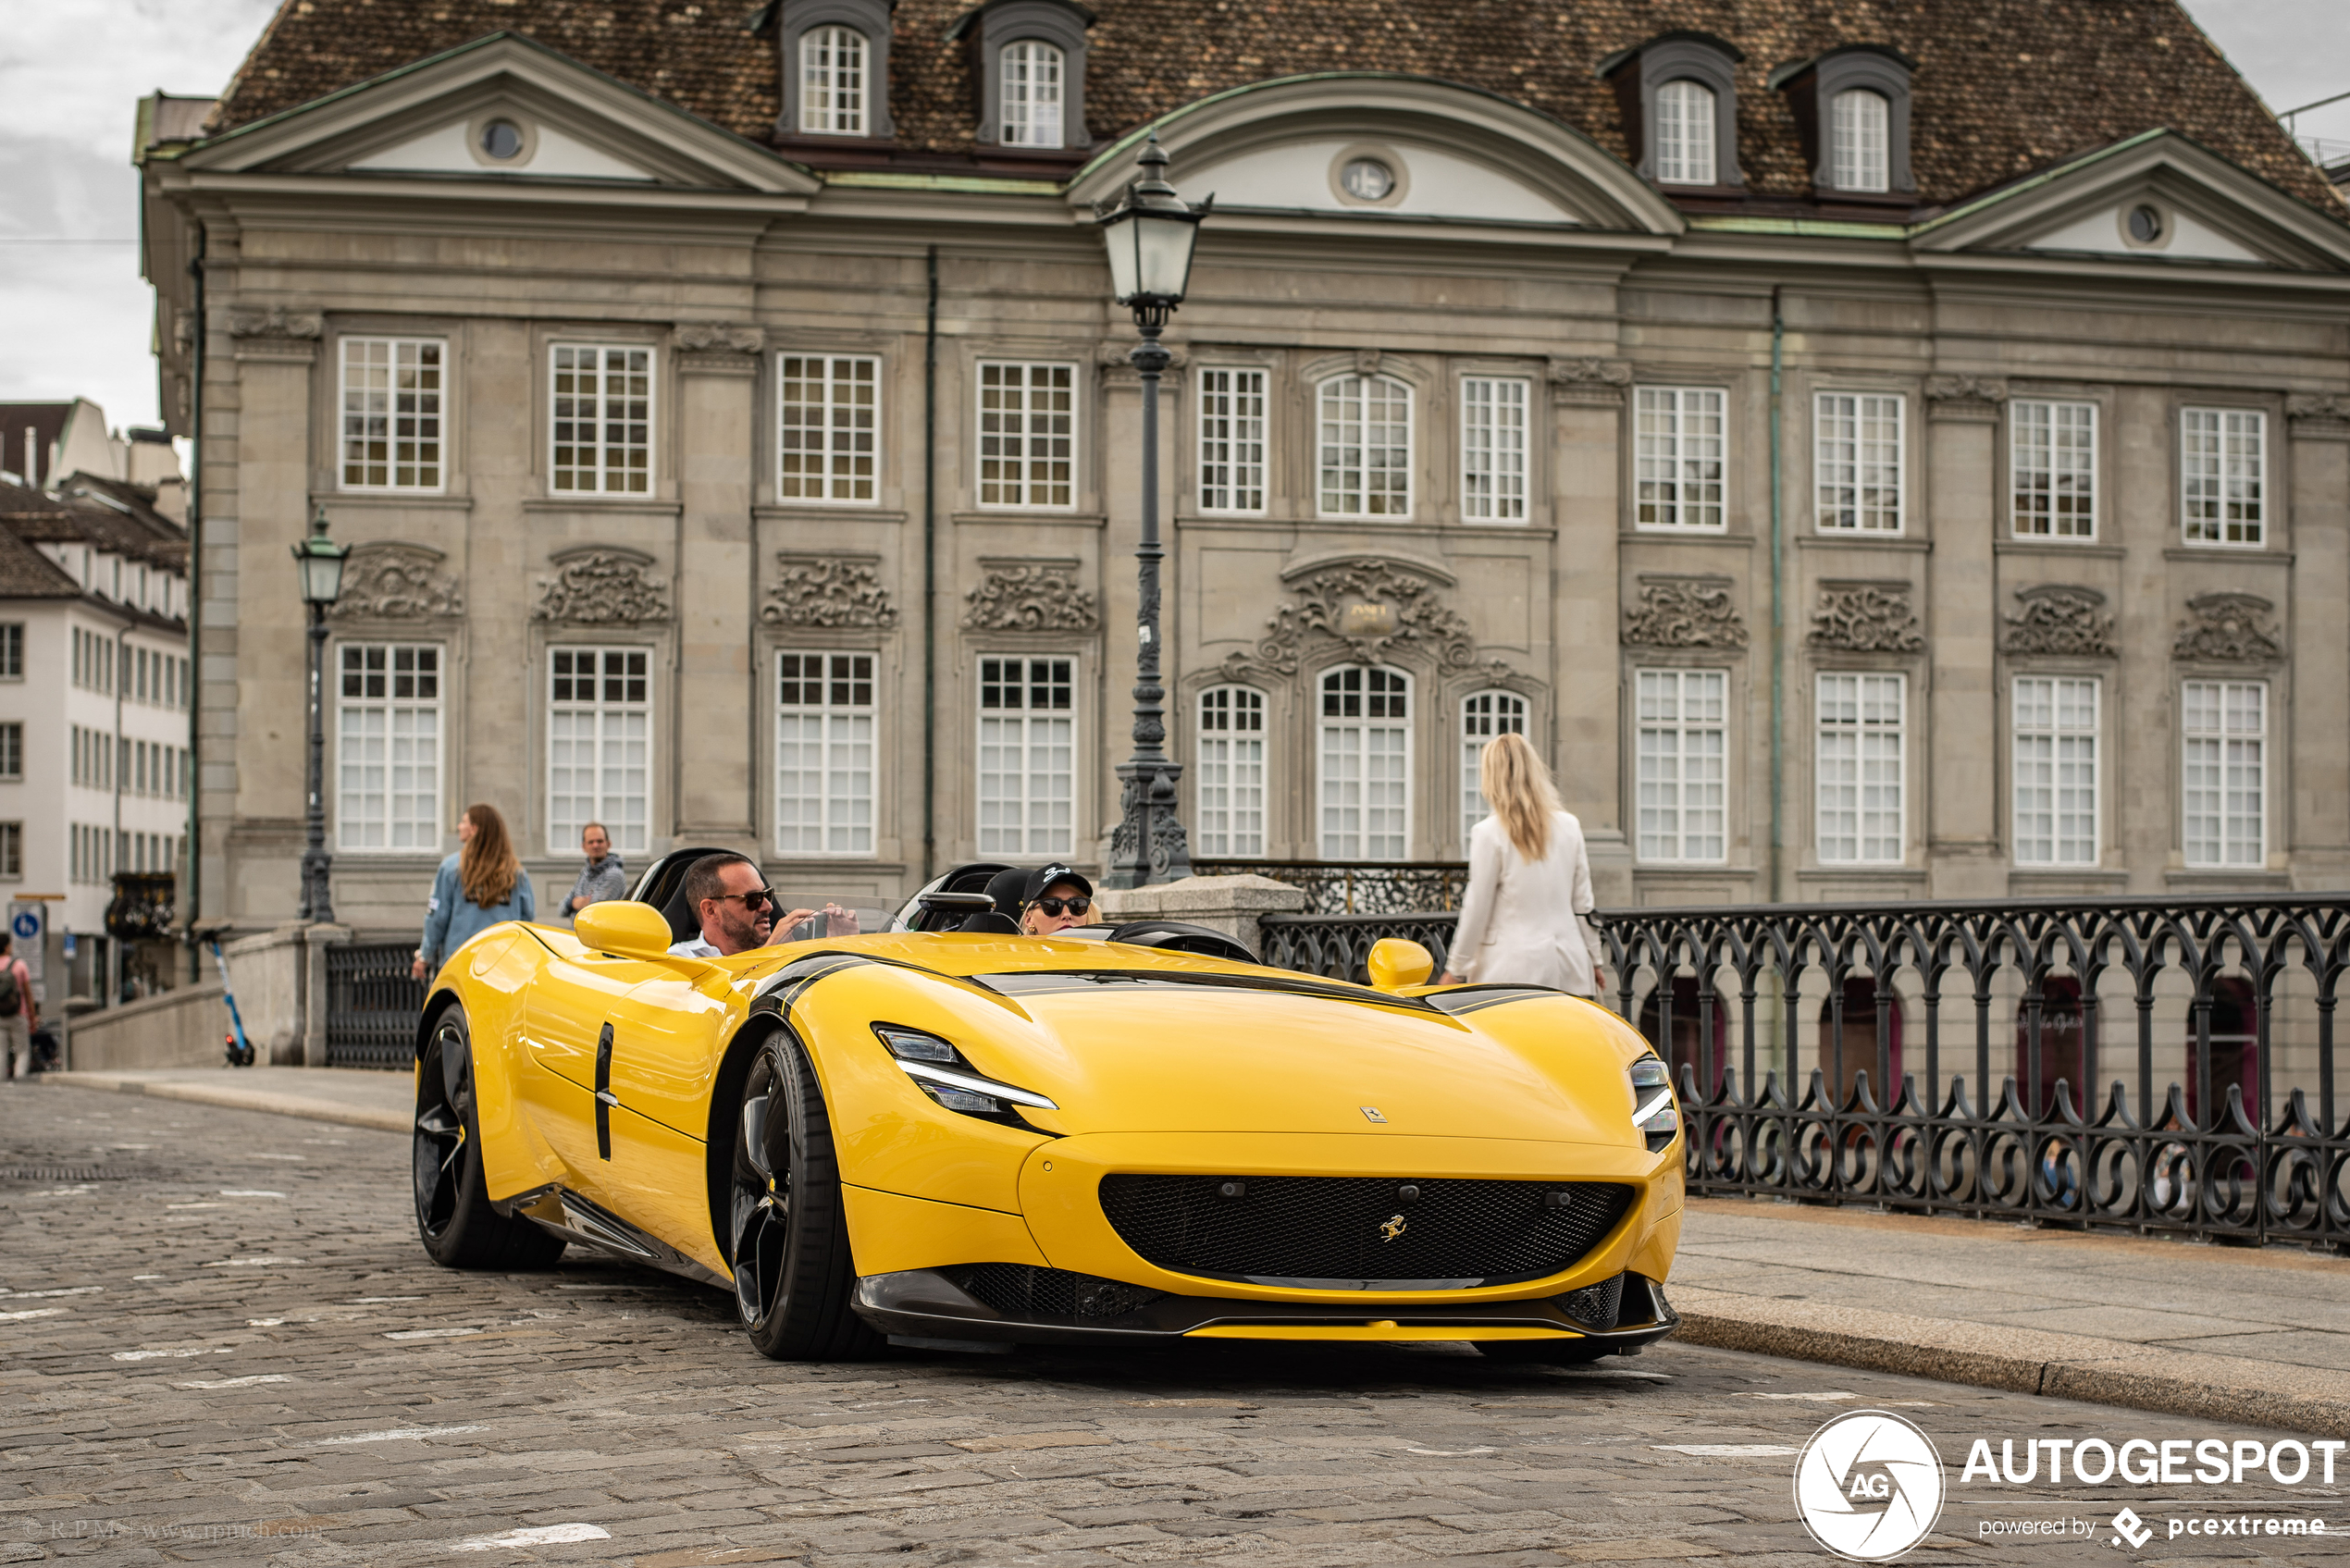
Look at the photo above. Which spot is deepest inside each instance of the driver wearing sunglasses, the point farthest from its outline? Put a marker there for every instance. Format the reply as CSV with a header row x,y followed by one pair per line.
x,y
732,901
1054,899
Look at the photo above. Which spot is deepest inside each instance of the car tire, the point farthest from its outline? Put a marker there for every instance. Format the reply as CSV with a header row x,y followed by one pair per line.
x,y
454,1219
788,1227
1544,1352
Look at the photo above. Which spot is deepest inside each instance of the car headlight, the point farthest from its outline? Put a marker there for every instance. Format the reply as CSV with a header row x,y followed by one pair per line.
x,y
939,1071
1653,1110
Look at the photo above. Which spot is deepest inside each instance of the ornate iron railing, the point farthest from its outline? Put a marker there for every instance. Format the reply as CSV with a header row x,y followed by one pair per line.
x,y
2210,1023
372,1004
1341,887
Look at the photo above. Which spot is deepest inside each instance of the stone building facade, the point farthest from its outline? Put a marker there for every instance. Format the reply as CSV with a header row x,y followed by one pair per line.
x,y
1907,463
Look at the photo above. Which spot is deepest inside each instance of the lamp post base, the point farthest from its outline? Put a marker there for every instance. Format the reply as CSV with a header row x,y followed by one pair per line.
x,y
1149,845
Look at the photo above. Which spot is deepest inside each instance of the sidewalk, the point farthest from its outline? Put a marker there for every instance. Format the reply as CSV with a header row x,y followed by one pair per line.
x,y
2253,1335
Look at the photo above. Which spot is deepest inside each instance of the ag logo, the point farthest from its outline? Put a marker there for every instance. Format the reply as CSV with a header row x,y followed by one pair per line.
x,y
1869,1486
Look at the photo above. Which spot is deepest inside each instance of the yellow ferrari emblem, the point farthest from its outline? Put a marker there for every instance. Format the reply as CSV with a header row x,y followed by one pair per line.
x,y
1392,1228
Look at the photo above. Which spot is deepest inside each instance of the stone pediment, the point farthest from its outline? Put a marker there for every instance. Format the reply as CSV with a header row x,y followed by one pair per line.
x,y
1367,606
391,580
602,586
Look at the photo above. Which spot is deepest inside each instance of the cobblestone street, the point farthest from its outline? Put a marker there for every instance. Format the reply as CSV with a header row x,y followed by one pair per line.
x,y
220,1343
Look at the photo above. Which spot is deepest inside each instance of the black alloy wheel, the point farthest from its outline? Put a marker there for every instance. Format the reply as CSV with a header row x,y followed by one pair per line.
x,y
454,1216
789,1228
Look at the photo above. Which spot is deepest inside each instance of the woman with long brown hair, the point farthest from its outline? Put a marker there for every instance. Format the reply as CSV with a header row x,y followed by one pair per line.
x,y
1529,883
482,884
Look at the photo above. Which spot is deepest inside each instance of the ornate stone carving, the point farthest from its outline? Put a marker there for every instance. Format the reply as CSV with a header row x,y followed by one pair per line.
x,y
2060,620
276,321
601,585
720,338
1370,604
2230,628
2318,406
1030,597
828,592
1366,360
1866,618
1988,391
1684,612
389,581
1589,379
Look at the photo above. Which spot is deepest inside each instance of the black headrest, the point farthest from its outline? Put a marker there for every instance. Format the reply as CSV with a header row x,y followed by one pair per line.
x,y
992,922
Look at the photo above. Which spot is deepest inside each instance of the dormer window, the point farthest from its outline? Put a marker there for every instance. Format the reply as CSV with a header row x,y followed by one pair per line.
x,y
832,82
1858,140
835,68
1029,56
1852,111
1684,133
1680,96
1031,88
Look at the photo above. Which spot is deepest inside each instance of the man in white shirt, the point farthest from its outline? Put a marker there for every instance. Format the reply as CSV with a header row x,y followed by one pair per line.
x,y
737,909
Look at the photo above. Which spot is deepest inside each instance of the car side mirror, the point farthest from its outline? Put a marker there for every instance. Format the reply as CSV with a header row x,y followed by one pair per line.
x,y
623,928
1395,963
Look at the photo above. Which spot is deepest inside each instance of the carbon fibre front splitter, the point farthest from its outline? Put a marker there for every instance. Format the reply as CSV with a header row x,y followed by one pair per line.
x,y
924,1306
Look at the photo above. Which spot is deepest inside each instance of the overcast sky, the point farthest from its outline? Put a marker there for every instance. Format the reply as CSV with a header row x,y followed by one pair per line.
x,y
79,318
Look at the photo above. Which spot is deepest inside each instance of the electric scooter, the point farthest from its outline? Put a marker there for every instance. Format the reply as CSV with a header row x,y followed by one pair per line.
x,y
239,1048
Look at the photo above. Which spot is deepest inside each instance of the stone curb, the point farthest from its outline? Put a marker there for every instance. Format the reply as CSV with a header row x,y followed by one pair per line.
x,y
238,1100
2024,1361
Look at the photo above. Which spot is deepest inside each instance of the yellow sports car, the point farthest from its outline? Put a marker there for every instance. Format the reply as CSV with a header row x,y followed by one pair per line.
x,y
971,1141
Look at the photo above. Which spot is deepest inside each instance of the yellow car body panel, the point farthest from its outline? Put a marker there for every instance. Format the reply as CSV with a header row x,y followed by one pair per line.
x,y
597,1075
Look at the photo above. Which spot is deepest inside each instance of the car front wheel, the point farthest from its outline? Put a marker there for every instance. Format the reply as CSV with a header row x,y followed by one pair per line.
x,y
793,1272
453,1216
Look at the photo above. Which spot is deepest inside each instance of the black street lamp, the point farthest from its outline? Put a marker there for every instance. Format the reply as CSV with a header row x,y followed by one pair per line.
x,y
319,561
1150,234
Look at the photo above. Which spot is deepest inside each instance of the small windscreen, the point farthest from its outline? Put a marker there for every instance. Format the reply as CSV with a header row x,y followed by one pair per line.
x,y
1040,982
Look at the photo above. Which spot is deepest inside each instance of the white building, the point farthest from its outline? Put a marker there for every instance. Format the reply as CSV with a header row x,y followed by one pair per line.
x,y
94,686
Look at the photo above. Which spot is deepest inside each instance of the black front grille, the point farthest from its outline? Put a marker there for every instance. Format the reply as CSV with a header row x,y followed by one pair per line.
x,y
1362,1232
1023,1290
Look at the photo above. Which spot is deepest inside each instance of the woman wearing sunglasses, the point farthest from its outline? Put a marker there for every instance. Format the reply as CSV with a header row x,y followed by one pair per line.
x,y
1037,903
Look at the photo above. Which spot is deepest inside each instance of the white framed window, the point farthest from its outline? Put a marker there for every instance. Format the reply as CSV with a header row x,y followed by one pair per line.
x,y
1685,134
392,397
11,650
1860,764
832,82
2222,474
1027,435
1493,411
1032,75
2224,787
1679,451
1484,714
12,851
1231,439
1861,140
824,731
828,437
12,749
2052,462
1681,765
1857,461
1231,772
601,435
388,746
2055,770
1366,764
599,723
1027,756
1366,456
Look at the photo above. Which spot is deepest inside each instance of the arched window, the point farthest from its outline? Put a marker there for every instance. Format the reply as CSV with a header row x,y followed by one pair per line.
x,y
1685,134
1032,76
1366,764
1484,715
1366,447
1230,771
832,82
1859,156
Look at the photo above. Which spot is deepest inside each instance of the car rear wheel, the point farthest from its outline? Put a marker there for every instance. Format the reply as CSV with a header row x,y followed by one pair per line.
x,y
1544,1352
453,1216
793,1272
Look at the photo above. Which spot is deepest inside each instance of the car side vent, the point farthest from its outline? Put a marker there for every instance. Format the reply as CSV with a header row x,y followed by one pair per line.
x,y
1024,1291
1595,1307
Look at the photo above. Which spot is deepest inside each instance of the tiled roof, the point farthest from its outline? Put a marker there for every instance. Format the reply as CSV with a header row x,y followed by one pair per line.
x,y
25,573
77,515
46,420
2003,87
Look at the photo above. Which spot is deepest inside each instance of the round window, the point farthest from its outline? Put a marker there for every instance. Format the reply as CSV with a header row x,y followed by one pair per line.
x,y
1367,179
2145,225
501,139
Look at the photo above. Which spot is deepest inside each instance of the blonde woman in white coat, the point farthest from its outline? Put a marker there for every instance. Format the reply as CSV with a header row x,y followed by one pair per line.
x,y
1529,883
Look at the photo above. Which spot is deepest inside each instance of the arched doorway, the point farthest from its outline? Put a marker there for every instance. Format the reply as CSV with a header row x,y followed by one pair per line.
x,y
2235,1049
2063,1039
1843,1058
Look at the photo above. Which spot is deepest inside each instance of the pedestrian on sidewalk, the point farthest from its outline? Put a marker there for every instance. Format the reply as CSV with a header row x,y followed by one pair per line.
x,y
1522,919
19,1013
604,876
480,885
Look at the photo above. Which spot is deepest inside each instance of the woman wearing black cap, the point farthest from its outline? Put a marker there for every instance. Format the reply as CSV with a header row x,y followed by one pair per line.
x,y
1037,903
